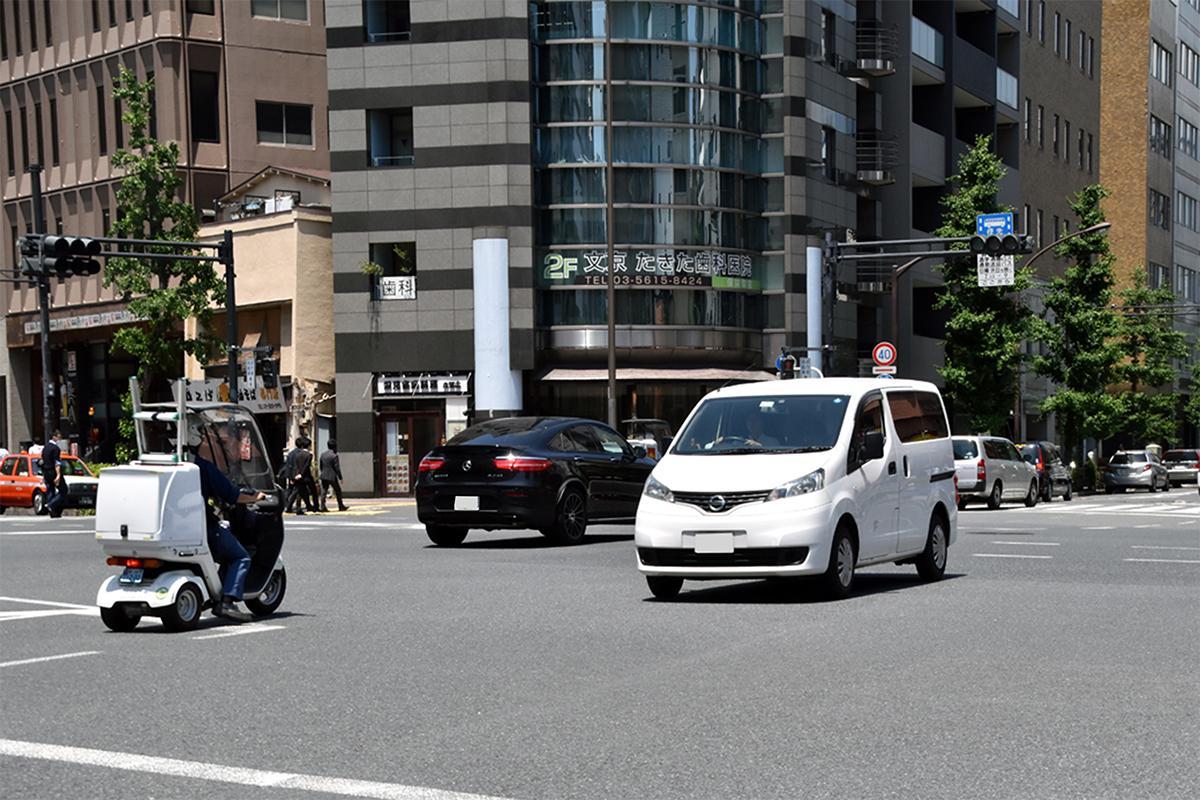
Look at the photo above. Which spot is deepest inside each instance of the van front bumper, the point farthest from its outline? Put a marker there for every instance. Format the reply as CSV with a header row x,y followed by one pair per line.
x,y
780,538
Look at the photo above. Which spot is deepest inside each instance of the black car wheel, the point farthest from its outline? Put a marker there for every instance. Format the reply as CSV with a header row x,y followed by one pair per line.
x,y
443,536
570,521
1067,494
1048,490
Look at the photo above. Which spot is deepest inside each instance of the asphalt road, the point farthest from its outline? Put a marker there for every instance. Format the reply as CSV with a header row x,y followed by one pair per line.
x,y
1059,659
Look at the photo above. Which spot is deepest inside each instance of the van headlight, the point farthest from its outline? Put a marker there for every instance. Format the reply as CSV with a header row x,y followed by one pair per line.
x,y
812,482
658,491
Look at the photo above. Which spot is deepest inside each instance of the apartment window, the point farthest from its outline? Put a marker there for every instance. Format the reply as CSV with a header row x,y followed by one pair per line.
x,y
1189,64
1055,230
1057,33
95,15
386,20
8,143
17,27
15,240
828,153
1041,127
1082,51
3,35
39,133
1067,141
129,10
828,37
200,7
1160,62
1091,47
1189,137
54,132
280,123
101,120
49,27
33,40
389,137
1160,137
112,13
1054,141
206,116
153,111
1028,121
1040,222
1187,283
118,123
1029,17
24,139
1025,220
58,226
295,10
145,8
1041,21
1089,156
1160,210
398,259
105,221
1185,211
1079,149
1067,41
1158,276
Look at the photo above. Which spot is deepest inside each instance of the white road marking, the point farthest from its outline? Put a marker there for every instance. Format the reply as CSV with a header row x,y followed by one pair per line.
x,y
199,770
990,529
1139,527
49,658
9,616
253,627
1032,544
1007,555
1161,560
1100,528
57,532
43,602
1160,547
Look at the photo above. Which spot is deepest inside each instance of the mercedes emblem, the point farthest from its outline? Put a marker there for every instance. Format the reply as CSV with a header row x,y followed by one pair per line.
x,y
467,465
716,503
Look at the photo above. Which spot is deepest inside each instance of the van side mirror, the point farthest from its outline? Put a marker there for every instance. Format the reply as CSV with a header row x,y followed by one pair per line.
x,y
872,446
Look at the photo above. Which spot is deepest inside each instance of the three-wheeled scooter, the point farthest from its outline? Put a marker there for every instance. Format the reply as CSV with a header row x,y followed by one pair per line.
x,y
150,517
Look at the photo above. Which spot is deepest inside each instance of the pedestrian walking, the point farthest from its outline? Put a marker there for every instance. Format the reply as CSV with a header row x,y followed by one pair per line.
x,y
299,473
52,475
331,476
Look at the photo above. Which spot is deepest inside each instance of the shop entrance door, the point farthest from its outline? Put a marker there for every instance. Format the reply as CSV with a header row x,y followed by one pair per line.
x,y
406,438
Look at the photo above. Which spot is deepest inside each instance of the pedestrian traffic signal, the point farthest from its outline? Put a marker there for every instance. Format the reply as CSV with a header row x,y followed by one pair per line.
x,y
999,245
30,246
70,255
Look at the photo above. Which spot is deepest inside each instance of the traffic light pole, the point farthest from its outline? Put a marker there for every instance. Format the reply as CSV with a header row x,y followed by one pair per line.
x,y
49,381
226,255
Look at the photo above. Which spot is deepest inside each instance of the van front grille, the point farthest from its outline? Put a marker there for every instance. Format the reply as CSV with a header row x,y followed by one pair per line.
x,y
727,500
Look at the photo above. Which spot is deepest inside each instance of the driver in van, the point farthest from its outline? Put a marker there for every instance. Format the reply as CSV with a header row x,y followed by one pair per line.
x,y
226,549
756,432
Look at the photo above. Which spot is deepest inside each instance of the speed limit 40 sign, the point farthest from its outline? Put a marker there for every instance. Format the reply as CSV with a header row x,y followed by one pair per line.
x,y
884,354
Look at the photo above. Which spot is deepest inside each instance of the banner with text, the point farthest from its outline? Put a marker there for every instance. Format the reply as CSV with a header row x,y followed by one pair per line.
x,y
682,268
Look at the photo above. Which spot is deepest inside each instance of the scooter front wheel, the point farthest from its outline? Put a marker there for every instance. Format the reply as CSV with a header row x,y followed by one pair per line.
x,y
184,613
272,595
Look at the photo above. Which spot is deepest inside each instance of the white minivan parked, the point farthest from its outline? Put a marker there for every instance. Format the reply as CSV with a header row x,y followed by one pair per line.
x,y
801,477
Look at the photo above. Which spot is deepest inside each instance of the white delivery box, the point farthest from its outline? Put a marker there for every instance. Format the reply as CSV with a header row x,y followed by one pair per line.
x,y
150,510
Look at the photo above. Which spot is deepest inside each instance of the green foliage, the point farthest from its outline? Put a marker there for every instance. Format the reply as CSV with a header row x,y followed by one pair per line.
x,y
1191,409
987,324
161,293
371,269
126,449
1151,347
1080,330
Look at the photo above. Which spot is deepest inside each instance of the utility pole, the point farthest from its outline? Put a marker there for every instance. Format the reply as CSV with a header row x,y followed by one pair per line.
x,y
226,257
608,221
49,380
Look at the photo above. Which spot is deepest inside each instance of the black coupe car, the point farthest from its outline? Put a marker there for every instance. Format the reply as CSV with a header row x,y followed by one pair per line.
x,y
553,474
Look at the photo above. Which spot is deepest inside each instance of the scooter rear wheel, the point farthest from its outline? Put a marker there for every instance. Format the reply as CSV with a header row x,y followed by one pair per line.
x,y
184,613
272,595
116,619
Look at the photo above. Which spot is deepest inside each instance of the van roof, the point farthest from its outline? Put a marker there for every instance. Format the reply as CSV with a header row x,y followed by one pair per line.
x,y
849,386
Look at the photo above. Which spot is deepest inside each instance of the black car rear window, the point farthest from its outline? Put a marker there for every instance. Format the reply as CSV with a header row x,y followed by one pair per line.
x,y
1029,452
511,431
965,448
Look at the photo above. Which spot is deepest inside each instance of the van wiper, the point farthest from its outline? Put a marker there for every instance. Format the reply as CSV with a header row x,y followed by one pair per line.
x,y
811,449
734,451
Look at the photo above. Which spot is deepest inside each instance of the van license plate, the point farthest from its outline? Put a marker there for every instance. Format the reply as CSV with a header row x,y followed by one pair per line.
x,y
466,504
131,576
714,542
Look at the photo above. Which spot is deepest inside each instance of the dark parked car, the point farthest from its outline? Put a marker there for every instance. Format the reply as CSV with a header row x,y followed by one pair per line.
x,y
1054,479
553,474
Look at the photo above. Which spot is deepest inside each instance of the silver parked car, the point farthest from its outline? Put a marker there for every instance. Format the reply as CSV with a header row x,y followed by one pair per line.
x,y
990,468
1183,466
1135,469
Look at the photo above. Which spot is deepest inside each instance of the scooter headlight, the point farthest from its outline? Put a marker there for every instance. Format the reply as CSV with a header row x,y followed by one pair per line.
x,y
658,491
812,482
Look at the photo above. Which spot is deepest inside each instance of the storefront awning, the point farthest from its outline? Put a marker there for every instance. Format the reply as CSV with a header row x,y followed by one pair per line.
x,y
634,374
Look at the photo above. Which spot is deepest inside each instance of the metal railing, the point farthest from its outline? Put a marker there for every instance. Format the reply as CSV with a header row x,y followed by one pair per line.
x,y
877,155
391,161
876,46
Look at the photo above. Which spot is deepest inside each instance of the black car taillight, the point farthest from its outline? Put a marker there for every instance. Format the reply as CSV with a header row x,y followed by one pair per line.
x,y
511,463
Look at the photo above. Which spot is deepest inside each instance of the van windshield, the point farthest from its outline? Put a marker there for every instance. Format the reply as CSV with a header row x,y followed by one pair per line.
x,y
763,424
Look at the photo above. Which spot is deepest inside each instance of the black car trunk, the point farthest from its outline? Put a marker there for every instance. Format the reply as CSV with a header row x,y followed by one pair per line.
x,y
469,464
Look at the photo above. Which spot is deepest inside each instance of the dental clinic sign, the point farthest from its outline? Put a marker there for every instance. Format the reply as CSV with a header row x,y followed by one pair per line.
x,y
713,268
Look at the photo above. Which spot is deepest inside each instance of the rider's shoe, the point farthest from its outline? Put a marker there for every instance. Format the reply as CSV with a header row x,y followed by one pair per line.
x,y
229,610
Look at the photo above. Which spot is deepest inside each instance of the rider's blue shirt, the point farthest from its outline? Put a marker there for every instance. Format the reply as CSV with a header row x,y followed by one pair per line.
x,y
213,483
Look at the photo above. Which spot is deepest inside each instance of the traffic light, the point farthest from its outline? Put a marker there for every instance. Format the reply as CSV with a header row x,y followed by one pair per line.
x,y
787,368
30,246
70,255
1005,245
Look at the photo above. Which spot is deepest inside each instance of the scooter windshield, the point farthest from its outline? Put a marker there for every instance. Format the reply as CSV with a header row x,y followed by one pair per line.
x,y
231,441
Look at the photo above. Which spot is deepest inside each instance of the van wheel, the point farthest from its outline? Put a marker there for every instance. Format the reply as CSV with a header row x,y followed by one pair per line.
x,y
838,579
443,536
117,619
1031,497
931,564
184,613
664,587
997,494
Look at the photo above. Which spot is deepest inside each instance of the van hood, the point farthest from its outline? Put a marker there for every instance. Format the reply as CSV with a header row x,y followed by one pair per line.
x,y
740,473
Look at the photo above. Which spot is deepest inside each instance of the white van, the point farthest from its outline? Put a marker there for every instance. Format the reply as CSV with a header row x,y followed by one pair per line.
x,y
801,477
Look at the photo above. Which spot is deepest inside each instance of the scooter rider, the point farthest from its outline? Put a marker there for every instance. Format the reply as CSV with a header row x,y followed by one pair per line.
x,y
226,549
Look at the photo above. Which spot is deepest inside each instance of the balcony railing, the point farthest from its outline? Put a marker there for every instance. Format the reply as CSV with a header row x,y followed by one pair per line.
x,y
391,161
877,155
875,45
927,42
1006,88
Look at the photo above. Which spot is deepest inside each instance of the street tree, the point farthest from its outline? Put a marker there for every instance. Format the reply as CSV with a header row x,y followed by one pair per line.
x,y
1191,408
1151,347
986,325
161,293
1080,330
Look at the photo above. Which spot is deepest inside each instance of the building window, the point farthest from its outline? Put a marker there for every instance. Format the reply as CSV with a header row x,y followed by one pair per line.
x,y
1041,127
1160,137
1185,211
397,259
1158,276
1079,149
1160,210
1057,33
828,37
206,123
1187,284
1160,62
33,40
1089,156
1067,141
1029,17
282,123
1082,51
101,120
295,10
829,153
1025,220
3,35
8,143
1188,137
118,123
39,134
1067,41
24,139
1041,21
153,110
1091,47
386,20
58,226
54,132
1040,227
1054,231
200,7
95,15
1054,141
112,13
390,137
129,10
145,8
17,27
1028,121
1189,64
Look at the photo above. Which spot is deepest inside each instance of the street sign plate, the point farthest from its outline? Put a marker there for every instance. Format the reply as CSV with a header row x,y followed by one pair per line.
x,y
994,224
884,370
804,367
887,375
995,270
884,354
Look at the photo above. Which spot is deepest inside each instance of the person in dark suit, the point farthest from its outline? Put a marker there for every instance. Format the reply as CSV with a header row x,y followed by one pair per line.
x,y
52,475
331,475
298,469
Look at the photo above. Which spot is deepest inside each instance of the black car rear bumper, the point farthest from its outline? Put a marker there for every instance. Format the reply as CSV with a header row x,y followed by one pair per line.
x,y
499,507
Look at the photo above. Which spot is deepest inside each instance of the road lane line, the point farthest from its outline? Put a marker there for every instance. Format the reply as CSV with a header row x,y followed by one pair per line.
x,y
1162,560
1007,555
1032,544
1139,527
199,770
41,613
49,658
1100,528
253,627
1159,547
43,602
88,532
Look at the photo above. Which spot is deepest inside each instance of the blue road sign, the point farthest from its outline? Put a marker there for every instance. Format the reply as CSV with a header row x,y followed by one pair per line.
x,y
994,224
886,376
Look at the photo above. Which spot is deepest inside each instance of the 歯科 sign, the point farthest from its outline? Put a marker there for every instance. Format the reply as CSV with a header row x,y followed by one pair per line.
x,y
709,268
398,287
